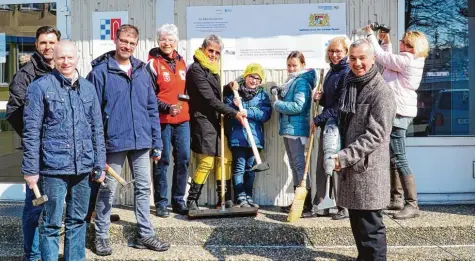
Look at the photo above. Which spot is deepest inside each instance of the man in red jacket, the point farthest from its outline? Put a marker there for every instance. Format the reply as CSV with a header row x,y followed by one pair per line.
x,y
169,68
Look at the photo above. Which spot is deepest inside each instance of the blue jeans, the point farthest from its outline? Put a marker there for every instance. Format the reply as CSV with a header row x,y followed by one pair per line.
x,y
178,137
139,161
76,190
297,161
243,177
398,156
30,217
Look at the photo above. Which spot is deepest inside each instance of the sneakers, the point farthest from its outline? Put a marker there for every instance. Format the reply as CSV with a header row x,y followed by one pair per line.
x,y
161,211
151,243
242,203
251,202
102,247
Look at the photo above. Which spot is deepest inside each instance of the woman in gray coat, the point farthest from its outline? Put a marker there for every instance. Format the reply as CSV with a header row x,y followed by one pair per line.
x,y
366,112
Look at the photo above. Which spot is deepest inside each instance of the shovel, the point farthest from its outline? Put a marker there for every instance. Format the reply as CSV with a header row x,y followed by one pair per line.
x,y
260,166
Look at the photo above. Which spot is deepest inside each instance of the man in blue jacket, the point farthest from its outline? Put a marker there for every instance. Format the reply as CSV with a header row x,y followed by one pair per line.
x,y
63,142
132,130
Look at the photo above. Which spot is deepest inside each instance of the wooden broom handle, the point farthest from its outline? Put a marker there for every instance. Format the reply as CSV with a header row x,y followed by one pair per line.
x,y
311,143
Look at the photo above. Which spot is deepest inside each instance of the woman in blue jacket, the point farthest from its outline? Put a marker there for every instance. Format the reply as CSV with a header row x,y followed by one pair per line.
x,y
333,88
294,121
257,105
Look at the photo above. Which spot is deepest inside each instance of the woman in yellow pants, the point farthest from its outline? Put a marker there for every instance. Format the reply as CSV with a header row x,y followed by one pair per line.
x,y
203,86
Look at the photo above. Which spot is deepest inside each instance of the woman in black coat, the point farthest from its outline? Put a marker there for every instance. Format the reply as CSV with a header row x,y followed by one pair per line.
x,y
336,55
203,87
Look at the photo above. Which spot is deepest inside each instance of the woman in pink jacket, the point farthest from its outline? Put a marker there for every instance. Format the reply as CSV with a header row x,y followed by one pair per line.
x,y
403,72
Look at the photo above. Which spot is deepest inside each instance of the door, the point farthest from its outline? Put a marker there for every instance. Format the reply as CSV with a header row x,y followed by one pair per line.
x,y
19,20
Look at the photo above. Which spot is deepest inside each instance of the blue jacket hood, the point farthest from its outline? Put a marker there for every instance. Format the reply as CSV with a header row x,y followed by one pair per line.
x,y
310,76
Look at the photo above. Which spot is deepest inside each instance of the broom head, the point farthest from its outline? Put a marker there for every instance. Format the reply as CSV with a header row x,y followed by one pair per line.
x,y
298,204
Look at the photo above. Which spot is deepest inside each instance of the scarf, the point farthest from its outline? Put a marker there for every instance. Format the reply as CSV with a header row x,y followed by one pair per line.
x,y
214,67
248,93
353,85
284,88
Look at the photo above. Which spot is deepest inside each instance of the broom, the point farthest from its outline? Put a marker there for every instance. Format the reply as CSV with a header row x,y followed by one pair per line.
x,y
301,191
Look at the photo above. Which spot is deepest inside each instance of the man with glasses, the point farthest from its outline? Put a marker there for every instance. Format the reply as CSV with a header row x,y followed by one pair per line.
x,y
131,130
40,64
168,69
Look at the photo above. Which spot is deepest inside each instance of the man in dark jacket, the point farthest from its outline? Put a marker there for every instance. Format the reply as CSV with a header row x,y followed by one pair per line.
x,y
131,130
41,63
366,112
64,143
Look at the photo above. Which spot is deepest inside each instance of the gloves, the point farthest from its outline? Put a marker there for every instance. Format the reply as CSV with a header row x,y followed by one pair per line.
x,y
156,153
96,173
274,90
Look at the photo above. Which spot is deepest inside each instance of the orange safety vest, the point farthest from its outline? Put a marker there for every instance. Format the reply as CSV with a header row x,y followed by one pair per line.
x,y
171,85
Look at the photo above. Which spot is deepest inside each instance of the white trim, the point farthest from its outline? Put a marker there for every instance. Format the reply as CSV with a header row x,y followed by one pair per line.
x,y
63,20
400,20
439,141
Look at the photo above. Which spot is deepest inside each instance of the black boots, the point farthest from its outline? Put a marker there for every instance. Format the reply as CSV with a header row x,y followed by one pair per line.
x,y
228,200
410,210
193,195
396,191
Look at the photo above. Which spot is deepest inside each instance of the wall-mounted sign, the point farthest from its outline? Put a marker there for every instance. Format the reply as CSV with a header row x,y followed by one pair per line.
x,y
266,34
105,25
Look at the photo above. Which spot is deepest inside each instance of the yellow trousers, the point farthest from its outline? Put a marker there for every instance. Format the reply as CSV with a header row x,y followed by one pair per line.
x,y
207,163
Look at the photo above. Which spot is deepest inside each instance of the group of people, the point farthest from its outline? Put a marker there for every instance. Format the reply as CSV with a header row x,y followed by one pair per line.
x,y
125,108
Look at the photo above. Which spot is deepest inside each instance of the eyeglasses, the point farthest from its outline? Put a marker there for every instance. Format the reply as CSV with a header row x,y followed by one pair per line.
x,y
337,51
168,41
124,42
211,51
405,44
255,78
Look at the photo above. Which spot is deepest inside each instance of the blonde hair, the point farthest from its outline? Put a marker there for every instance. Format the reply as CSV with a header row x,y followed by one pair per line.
x,y
338,40
418,41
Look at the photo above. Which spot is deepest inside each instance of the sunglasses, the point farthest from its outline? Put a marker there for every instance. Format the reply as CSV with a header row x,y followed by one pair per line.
x,y
406,44
211,51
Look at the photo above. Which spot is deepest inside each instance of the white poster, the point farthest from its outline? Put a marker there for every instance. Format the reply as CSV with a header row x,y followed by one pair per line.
x,y
105,25
3,48
266,34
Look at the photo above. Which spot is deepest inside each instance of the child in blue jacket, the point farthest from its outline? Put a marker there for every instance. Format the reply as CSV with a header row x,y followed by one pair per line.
x,y
294,121
257,105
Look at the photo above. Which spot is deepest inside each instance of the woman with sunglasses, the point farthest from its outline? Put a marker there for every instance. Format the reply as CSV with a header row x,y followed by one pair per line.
x,y
403,72
333,87
202,83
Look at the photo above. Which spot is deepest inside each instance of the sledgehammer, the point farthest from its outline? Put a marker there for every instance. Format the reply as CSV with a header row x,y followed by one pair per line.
x,y
182,98
125,185
40,199
260,166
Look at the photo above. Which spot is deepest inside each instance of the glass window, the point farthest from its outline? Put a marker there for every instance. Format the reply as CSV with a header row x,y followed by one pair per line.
x,y
444,100
18,23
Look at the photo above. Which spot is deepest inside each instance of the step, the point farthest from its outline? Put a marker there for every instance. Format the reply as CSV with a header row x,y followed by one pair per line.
x,y
259,253
443,225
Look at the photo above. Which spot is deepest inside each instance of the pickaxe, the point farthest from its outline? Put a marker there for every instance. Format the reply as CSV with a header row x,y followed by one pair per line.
x,y
125,185
40,199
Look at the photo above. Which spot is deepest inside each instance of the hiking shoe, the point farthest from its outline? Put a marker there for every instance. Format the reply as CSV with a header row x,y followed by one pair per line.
x,y
161,211
102,247
151,243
